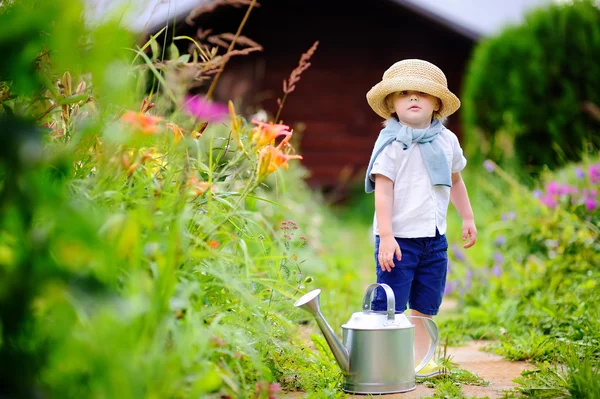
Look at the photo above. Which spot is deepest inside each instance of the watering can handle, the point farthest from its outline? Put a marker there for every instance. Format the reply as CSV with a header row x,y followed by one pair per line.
x,y
432,329
391,300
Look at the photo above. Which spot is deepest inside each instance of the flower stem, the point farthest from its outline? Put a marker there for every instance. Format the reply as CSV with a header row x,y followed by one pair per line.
x,y
280,107
213,85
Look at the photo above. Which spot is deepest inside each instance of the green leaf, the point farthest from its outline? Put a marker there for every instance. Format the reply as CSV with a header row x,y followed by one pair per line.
x,y
173,51
184,59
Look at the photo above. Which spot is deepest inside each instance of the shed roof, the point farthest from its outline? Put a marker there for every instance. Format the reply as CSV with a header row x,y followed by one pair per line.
x,y
474,18
471,18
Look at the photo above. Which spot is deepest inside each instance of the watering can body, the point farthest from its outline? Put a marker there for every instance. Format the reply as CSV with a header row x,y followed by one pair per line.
x,y
377,350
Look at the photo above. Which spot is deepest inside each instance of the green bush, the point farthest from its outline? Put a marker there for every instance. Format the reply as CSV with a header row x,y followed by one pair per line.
x,y
530,93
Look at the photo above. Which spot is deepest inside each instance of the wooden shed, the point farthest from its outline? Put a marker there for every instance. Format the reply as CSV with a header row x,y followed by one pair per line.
x,y
358,40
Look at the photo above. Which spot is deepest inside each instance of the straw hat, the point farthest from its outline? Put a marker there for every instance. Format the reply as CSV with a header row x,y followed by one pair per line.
x,y
417,75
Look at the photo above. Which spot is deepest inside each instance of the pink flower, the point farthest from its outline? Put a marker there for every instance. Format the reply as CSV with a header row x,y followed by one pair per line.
x,y
594,173
591,204
202,109
273,389
549,201
552,188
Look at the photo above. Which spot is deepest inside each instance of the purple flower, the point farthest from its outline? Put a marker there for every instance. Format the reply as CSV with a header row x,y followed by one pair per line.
x,y
457,253
450,287
500,240
579,173
497,270
498,257
468,279
508,216
538,193
591,204
202,109
490,166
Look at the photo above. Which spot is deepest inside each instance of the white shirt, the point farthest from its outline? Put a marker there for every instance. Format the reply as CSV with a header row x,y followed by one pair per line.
x,y
418,206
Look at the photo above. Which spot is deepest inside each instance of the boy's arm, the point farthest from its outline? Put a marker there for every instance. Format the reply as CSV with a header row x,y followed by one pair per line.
x,y
460,200
384,200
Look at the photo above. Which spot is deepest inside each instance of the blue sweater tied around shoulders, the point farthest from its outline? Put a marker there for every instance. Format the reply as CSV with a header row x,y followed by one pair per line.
x,y
431,150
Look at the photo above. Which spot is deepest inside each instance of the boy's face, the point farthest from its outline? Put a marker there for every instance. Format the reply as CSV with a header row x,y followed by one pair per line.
x,y
415,108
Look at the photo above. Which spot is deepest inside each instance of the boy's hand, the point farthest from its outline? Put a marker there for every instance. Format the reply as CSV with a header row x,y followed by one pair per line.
x,y
388,247
469,230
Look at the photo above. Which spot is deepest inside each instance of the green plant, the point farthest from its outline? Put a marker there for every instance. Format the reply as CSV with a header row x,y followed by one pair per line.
x,y
575,376
540,302
146,253
530,95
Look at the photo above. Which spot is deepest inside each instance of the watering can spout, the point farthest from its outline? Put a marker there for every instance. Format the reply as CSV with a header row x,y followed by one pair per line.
x,y
310,303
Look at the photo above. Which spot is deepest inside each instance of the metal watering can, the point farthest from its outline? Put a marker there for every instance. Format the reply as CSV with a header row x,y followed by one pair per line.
x,y
377,352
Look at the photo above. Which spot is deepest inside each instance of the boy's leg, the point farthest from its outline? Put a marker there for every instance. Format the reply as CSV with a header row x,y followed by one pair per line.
x,y
422,340
400,278
428,289
429,281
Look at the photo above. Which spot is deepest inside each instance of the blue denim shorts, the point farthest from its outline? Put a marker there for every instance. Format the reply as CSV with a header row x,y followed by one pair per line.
x,y
419,278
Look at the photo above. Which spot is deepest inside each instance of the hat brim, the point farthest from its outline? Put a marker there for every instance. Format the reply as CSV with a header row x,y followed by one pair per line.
x,y
376,96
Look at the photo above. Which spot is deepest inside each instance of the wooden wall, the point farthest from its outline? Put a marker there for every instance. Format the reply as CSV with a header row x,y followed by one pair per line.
x,y
359,40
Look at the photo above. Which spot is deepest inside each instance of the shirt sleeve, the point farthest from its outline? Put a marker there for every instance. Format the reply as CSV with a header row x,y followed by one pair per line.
x,y
458,159
386,163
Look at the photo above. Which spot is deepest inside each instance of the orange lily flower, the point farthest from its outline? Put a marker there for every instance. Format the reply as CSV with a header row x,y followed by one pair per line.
x,y
265,133
272,158
199,187
177,131
146,124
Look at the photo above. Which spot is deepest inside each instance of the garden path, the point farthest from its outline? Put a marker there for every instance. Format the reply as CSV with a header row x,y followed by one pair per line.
x,y
494,369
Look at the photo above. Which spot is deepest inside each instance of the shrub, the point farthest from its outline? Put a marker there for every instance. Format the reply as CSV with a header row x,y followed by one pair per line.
x,y
532,93
537,295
